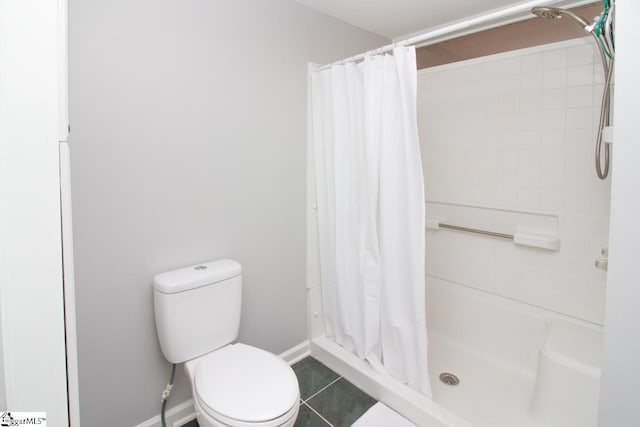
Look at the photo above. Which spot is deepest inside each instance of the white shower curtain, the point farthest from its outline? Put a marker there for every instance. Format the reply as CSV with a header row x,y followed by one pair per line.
x,y
370,202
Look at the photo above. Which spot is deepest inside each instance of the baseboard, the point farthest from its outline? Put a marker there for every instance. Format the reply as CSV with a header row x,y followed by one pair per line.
x,y
185,412
176,416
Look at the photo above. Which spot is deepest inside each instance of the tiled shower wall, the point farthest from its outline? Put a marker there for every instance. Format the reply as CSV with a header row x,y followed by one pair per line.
x,y
516,132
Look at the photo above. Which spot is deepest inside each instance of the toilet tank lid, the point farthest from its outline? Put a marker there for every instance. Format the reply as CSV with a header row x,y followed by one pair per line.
x,y
196,276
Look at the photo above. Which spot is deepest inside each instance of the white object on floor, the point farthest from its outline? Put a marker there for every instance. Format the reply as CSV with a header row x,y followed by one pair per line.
x,y
380,415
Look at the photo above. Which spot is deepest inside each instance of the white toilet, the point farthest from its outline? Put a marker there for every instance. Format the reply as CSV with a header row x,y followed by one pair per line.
x,y
197,317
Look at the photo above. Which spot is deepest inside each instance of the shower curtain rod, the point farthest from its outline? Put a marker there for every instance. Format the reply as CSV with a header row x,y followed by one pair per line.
x,y
468,23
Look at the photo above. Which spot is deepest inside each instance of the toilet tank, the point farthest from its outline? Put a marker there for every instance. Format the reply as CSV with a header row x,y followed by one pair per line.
x,y
197,308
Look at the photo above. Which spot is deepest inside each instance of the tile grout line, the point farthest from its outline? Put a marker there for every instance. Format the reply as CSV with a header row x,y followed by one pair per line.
x,y
318,414
320,391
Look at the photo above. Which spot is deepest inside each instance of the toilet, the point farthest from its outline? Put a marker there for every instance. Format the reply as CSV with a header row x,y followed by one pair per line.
x,y
197,312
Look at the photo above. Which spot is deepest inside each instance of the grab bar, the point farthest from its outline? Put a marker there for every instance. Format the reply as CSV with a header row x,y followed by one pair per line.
x,y
523,238
476,230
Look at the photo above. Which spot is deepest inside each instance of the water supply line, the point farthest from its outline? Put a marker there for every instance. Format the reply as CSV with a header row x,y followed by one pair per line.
x,y
602,31
166,393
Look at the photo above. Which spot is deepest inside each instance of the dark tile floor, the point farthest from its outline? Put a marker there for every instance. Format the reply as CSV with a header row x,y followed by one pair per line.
x,y
326,399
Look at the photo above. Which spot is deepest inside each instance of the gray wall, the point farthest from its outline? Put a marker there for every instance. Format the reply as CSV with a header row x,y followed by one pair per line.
x,y
188,144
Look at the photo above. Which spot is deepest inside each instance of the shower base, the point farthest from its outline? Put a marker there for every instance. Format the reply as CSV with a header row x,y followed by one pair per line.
x,y
488,394
516,365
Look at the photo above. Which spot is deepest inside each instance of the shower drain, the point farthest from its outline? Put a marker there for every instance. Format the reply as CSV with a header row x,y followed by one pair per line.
x,y
449,379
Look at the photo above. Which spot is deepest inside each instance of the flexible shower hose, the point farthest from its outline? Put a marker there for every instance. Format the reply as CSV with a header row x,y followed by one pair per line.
x,y
603,32
166,393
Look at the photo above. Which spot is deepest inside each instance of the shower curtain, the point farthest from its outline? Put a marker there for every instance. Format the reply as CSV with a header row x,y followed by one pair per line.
x,y
370,201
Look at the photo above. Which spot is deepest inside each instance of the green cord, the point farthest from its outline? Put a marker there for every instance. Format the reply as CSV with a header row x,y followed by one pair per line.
x,y
601,18
598,31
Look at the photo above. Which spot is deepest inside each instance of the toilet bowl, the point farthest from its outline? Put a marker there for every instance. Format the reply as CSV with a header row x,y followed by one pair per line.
x,y
243,386
197,312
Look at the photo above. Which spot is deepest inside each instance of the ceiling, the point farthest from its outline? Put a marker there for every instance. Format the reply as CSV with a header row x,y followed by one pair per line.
x,y
397,18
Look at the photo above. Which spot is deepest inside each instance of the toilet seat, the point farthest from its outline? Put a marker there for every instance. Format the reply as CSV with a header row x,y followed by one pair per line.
x,y
243,385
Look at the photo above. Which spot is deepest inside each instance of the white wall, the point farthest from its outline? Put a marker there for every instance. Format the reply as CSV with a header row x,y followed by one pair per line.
x,y
31,290
188,144
515,133
620,373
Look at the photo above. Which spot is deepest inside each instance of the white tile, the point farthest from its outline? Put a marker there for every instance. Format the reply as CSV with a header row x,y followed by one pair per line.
x,y
552,139
552,160
554,79
577,203
436,192
597,94
530,120
502,122
530,101
578,181
488,70
580,55
599,205
579,139
595,118
575,225
502,140
580,76
598,73
580,96
430,158
531,63
579,118
529,160
531,81
599,227
556,98
475,72
529,201
505,104
580,161
505,196
551,202
508,85
600,187
507,159
552,181
508,177
553,119
554,59
507,67
529,180
527,140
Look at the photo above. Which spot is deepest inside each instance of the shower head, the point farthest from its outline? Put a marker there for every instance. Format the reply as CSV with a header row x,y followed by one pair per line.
x,y
555,13
546,12
602,31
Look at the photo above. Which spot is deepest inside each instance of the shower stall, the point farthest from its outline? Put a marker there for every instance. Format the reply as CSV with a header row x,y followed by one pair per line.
x,y
515,217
